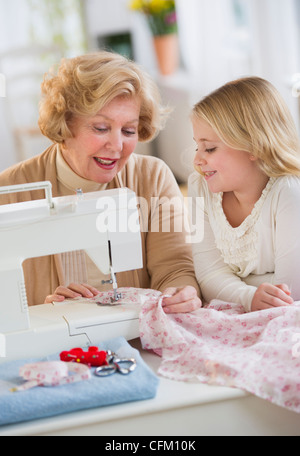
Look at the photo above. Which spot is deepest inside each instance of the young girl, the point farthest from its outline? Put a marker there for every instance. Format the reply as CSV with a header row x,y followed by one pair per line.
x,y
248,173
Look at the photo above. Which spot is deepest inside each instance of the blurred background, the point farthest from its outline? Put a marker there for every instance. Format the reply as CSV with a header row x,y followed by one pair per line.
x,y
215,41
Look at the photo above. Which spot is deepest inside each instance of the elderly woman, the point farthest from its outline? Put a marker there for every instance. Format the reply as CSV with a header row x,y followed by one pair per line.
x,y
95,110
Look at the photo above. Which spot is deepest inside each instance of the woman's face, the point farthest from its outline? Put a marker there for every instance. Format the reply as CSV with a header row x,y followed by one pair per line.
x,y
102,144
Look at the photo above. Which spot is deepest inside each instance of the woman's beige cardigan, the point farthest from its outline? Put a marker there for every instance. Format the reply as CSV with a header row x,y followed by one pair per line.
x,y
167,258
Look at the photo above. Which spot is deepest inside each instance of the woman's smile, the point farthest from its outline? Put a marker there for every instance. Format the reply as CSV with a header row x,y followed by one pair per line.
x,y
105,163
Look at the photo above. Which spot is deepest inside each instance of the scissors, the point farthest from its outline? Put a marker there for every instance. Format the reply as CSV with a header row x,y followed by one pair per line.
x,y
115,364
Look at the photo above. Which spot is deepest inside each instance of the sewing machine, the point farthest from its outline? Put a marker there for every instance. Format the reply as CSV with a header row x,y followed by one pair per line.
x,y
105,225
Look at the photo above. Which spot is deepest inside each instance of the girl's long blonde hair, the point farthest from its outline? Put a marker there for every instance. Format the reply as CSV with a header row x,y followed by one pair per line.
x,y
249,114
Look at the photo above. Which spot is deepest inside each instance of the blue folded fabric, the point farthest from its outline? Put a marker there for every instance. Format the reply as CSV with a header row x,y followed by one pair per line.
x,y
42,402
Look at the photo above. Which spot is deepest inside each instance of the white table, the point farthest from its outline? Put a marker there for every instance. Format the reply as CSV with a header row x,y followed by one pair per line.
x,y
179,409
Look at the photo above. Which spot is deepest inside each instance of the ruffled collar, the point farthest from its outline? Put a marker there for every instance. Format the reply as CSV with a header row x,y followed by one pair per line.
x,y
250,220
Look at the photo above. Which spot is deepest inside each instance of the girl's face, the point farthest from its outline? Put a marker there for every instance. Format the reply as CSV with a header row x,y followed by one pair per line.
x,y
102,144
225,169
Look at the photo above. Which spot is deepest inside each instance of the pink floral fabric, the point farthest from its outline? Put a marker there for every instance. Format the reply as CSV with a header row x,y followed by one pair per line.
x,y
258,352
135,296
51,373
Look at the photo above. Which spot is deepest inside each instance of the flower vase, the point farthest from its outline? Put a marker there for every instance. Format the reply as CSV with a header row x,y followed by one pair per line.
x,y
167,53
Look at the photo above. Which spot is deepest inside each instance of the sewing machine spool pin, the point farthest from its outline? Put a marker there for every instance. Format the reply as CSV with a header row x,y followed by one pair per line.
x,y
79,193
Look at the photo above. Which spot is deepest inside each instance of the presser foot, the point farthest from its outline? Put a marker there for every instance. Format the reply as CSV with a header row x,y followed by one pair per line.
x,y
117,296
113,301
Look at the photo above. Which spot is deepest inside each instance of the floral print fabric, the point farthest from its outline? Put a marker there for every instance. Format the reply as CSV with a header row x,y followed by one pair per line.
x,y
258,352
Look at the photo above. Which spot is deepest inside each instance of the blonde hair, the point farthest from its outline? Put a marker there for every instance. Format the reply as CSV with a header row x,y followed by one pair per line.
x,y
249,114
83,85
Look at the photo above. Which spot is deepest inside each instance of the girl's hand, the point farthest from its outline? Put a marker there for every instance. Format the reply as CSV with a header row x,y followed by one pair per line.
x,y
74,290
268,296
182,300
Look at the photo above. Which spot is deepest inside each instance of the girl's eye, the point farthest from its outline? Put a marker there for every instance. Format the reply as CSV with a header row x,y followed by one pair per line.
x,y
209,151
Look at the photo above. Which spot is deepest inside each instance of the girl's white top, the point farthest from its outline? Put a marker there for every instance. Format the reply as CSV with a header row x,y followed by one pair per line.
x,y
230,263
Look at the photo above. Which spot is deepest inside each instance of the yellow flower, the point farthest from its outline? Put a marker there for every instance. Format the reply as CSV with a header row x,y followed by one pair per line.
x,y
157,6
152,6
136,4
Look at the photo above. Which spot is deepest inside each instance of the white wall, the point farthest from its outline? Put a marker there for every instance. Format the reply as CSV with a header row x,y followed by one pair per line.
x,y
13,33
107,17
7,146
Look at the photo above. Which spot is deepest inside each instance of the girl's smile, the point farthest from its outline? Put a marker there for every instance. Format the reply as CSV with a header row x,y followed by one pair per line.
x,y
209,174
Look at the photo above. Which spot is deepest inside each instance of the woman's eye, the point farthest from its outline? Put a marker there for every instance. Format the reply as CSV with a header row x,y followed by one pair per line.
x,y
129,132
101,129
209,151
106,129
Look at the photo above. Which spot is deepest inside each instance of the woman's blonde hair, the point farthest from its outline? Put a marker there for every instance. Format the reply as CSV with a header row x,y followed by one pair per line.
x,y
83,85
249,114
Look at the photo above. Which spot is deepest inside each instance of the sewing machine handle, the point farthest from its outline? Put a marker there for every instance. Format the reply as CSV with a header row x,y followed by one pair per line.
x,y
47,186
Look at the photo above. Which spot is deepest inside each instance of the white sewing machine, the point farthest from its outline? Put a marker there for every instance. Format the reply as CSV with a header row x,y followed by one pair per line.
x,y
105,225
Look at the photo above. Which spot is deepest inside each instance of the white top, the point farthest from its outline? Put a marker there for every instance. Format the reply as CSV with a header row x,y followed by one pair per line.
x,y
230,263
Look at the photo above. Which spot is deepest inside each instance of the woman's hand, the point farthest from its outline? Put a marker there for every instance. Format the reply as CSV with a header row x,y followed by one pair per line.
x,y
268,296
74,290
182,300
